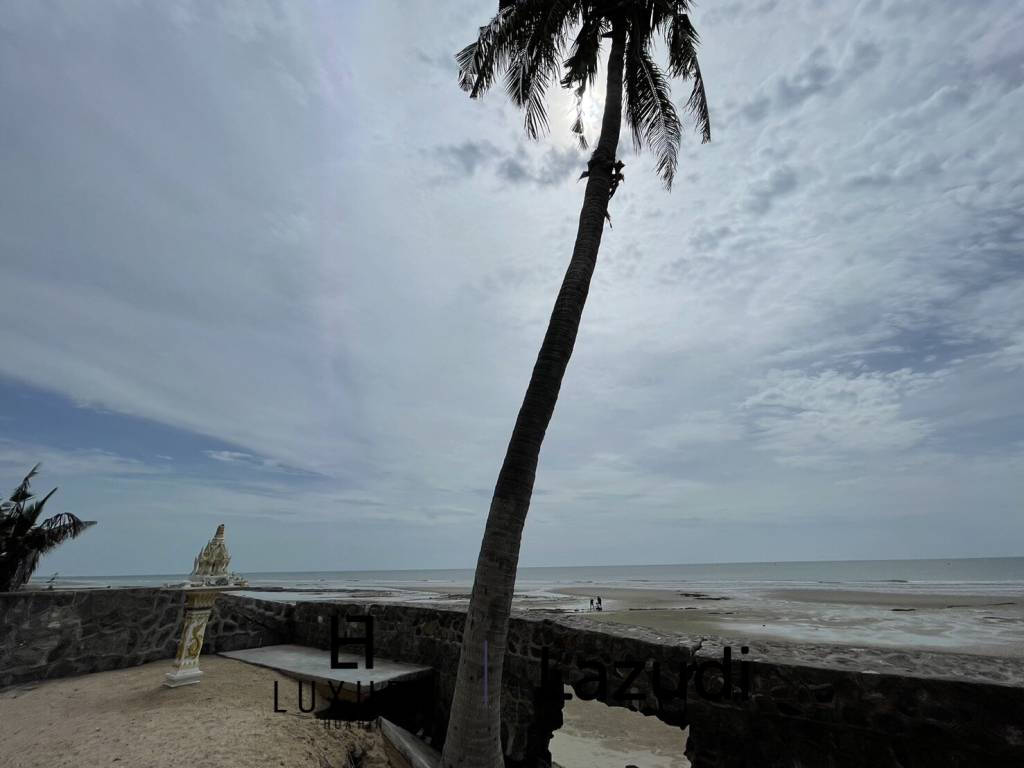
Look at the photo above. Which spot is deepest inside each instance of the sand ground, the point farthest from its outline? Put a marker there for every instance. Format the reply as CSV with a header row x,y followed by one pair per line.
x,y
127,718
595,735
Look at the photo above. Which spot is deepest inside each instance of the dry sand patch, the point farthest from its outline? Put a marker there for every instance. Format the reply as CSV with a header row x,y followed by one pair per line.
x,y
127,718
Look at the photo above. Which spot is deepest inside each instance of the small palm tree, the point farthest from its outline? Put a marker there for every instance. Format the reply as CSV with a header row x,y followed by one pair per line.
x,y
532,43
22,542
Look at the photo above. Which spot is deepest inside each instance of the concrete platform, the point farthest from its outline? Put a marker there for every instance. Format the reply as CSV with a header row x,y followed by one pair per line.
x,y
313,664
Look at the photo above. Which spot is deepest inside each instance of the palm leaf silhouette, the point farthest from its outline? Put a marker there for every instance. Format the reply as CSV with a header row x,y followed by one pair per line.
x,y
22,541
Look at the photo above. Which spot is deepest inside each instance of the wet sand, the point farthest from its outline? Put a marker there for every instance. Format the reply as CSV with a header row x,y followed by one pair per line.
x,y
902,599
990,625
909,617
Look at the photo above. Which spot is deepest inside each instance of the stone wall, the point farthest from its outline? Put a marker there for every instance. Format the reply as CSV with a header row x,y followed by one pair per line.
x,y
787,706
831,706
46,634
242,622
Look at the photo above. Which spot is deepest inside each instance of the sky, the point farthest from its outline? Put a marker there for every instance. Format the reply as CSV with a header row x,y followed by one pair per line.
x,y
263,263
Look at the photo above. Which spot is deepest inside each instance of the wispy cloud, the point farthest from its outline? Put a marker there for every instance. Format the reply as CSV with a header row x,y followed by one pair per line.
x,y
830,416
16,459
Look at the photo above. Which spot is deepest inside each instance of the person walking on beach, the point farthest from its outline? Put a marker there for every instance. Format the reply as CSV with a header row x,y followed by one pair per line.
x,y
591,603
599,603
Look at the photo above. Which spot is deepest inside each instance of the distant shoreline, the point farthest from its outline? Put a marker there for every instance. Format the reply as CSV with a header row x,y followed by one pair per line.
x,y
705,566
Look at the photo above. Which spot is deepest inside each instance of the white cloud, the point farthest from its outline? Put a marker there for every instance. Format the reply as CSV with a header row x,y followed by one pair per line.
x,y
230,457
246,237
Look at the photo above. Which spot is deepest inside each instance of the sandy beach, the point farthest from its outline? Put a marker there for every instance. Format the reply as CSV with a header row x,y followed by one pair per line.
x,y
127,718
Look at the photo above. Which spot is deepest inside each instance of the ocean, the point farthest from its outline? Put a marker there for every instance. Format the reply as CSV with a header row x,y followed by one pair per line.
x,y
947,576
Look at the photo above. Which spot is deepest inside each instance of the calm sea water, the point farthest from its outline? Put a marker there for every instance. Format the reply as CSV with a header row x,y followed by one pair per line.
x,y
981,575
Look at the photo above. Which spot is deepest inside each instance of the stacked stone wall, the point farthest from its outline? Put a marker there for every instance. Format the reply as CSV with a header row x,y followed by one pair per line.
x,y
787,705
58,633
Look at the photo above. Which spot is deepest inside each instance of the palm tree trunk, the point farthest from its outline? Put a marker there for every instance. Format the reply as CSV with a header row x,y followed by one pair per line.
x,y
474,728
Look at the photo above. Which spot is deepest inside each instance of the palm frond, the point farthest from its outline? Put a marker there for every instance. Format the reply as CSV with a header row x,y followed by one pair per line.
x,y
535,119
481,62
581,66
21,493
698,105
22,541
58,529
577,126
535,64
650,112
664,11
30,512
683,40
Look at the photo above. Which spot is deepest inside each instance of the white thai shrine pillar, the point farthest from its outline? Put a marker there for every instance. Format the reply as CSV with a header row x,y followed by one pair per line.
x,y
209,577
198,607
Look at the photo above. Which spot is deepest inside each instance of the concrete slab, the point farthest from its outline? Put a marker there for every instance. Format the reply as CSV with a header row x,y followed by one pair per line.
x,y
306,663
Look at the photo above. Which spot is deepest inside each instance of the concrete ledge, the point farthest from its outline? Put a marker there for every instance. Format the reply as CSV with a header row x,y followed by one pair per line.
x,y
416,753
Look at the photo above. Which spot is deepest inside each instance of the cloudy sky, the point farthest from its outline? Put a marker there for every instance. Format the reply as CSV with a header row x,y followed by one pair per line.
x,y
265,264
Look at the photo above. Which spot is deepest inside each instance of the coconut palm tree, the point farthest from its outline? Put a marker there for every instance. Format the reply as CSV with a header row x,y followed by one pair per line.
x,y
533,43
22,542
